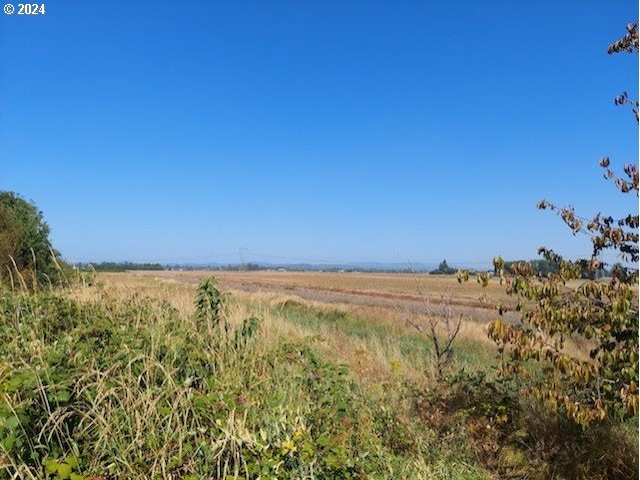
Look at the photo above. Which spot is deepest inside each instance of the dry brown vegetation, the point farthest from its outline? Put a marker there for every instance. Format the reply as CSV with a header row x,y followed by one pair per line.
x,y
375,299
386,292
381,299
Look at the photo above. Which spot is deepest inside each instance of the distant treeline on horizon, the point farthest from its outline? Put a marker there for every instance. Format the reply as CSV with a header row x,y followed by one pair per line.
x,y
252,267
540,267
120,266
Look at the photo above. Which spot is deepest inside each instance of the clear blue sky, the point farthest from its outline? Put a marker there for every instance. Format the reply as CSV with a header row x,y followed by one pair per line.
x,y
305,130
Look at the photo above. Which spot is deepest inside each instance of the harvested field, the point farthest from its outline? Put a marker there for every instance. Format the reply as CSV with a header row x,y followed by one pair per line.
x,y
394,292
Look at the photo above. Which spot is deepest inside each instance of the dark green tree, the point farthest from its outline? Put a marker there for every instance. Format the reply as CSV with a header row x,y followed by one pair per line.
x,y
25,247
444,268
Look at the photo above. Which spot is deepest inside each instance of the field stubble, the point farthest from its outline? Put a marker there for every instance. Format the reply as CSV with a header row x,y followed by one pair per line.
x,y
387,291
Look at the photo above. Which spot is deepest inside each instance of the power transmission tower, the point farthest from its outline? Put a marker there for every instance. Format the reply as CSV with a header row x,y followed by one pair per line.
x,y
242,252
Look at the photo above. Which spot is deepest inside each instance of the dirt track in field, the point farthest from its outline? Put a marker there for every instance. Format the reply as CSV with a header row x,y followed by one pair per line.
x,y
397,292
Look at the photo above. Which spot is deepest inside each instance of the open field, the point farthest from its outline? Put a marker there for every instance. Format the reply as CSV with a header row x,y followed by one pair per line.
x,y
389,285
394,292
377,301
195,198
285,376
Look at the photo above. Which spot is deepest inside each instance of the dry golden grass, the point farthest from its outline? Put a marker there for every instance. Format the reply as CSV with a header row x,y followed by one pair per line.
x,y
373,360
391,285
127,285
384,300
379,298
391,292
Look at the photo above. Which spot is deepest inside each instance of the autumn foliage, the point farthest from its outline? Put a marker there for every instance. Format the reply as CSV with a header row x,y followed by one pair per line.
x,y
576,347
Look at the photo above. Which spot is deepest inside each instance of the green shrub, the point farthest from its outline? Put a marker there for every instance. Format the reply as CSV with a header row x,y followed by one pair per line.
x,y
27,257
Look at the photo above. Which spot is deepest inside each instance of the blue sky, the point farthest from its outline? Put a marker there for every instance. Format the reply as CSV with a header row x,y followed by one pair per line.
x,y
323,131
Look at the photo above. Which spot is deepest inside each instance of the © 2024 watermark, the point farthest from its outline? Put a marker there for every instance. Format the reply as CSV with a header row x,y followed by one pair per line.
x,y
25,9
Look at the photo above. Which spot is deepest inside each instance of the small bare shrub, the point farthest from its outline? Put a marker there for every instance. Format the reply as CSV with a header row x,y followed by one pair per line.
x,y
439,324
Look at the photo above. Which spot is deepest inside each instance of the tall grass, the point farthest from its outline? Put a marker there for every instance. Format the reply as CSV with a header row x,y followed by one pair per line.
x,y
129,377
127,386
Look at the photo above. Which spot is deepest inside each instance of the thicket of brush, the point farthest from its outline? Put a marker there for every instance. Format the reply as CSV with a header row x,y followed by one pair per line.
x,y
129,386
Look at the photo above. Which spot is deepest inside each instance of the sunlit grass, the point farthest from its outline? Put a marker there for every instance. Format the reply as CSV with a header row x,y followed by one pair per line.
x,y
118,378
126,383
